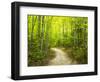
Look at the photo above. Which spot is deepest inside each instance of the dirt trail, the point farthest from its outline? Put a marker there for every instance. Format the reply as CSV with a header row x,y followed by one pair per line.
x,y
61,58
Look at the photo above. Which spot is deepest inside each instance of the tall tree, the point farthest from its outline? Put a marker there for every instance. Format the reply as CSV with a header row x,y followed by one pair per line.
x,y
42,33
32,31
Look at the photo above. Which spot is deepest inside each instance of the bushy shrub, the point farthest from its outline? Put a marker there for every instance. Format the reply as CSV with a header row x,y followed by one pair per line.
x,y
80,55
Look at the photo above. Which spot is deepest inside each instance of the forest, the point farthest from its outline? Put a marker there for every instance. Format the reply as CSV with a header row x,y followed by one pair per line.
x,y
57,40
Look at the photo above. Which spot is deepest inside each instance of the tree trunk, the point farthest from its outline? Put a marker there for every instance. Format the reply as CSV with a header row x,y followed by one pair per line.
x,y
42,33
39,34
32,31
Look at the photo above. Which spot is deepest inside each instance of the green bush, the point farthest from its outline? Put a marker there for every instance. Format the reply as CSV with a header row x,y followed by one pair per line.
x,y
80,55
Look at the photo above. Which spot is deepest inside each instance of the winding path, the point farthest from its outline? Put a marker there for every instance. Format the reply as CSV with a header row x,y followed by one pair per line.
x,y
61,58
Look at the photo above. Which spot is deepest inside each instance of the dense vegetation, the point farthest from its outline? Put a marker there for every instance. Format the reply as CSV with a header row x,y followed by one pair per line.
x,y
45,32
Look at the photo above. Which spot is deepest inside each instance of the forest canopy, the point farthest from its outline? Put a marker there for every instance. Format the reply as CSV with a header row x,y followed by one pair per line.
x,y
66,33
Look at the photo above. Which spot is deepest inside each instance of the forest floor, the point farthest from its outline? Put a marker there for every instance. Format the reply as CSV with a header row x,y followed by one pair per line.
x,y
60,57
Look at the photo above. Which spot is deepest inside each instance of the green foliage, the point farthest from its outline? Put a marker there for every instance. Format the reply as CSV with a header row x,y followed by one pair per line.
x,y
80,55
45,32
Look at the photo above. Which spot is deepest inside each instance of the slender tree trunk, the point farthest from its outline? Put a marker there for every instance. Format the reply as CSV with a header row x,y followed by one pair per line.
x,y
39,27
63,32
42,33
49,31
32,30
46,35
